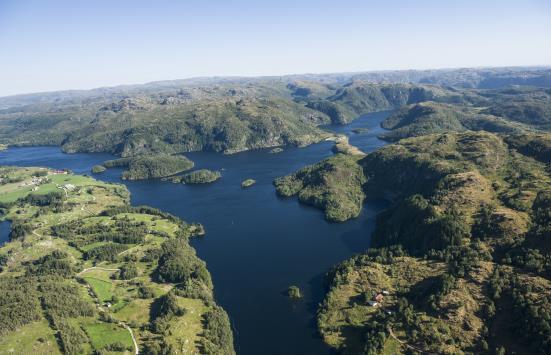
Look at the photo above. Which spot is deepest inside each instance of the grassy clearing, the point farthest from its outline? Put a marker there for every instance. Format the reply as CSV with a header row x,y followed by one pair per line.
x,y
102,289
35,338
186,330
103,334
136,311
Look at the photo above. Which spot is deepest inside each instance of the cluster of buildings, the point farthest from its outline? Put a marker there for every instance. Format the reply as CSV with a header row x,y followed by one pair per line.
x,y
35,181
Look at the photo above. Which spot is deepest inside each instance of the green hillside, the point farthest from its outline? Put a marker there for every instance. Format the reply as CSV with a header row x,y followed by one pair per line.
x,y
460,256
85,272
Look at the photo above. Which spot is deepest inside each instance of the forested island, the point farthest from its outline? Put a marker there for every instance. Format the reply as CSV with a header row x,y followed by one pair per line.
x,y
150,166
201,176
85,272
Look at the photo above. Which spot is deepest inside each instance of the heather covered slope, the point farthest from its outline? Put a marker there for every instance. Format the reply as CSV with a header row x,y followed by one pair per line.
x,y
501,111
236,114
227,117
430,117
461,255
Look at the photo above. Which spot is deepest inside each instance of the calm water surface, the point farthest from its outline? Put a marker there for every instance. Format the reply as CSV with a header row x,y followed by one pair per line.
x,y
256,243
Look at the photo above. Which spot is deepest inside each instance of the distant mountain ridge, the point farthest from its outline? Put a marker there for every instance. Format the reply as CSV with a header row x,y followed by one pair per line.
x,y
483,78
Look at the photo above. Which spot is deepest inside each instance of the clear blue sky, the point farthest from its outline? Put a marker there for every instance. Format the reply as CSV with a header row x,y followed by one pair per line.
x,y
52,45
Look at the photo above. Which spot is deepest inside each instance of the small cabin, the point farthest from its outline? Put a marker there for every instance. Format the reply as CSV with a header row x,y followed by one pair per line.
x,y
379,298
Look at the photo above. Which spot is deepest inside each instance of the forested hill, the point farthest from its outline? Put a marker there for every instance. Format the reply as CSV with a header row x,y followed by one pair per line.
x,y
235,114
460,262
500,111
228,117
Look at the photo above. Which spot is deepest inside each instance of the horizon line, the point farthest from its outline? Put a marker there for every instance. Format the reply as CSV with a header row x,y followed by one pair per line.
x,y
203,77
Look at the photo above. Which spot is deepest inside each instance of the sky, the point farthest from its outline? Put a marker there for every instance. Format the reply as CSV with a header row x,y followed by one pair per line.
x,y
58,44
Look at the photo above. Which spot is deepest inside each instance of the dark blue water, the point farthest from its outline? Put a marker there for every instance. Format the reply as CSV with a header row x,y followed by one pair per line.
x,y
5,228
257,244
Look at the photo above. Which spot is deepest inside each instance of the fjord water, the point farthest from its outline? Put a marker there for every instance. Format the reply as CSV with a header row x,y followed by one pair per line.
x,y
257,244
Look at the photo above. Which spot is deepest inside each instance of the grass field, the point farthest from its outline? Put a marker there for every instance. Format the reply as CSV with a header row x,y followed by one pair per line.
x,y
35,338
103,289
103,334
12,191
154,223
135,311
186,330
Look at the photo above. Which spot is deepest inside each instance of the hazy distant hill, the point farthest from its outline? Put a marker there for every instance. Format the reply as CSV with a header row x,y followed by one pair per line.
x,y
235,114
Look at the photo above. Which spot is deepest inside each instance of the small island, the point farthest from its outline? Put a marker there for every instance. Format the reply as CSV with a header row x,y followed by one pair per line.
x,y
98,169
360,130
294,292
248,183
276,150
202,176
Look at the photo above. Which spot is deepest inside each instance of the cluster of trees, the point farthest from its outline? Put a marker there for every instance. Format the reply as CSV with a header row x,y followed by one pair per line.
x,y
163,310
461,259
530,309
19,303
530,259
532,316
128,271
26,299
19,230
105,252
62,298
118,235
71,337
375,333
194,288
443,285
178,263
217,336
41,200
418,227
55,263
